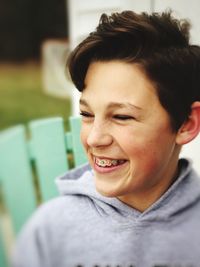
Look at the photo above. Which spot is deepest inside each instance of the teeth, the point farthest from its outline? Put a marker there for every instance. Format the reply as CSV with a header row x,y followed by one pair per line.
x,y
107,162
114,162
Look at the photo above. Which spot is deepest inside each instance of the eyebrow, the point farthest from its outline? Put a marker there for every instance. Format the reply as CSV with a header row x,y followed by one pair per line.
x,y
113,105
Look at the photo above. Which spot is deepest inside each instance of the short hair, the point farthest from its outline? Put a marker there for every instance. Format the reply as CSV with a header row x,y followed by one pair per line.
x,y
159,43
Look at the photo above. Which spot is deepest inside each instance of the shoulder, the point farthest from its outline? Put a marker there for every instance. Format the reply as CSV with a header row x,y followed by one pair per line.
x,y
63,210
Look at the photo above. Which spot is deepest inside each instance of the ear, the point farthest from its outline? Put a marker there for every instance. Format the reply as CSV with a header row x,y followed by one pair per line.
x,y
190,128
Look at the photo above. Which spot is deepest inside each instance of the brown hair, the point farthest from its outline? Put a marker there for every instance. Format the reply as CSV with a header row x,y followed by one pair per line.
x,y
159,43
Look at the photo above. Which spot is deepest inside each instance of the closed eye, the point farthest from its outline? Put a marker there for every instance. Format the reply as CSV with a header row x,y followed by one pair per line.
x,y
86,114
123,117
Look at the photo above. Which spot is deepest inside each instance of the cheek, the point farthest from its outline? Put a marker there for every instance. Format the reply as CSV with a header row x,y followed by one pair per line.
x,y
144,164
140,152
83,136
143,153
150,155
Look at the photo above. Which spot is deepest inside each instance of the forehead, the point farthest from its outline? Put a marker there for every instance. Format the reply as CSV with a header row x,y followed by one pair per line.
x,y
120,82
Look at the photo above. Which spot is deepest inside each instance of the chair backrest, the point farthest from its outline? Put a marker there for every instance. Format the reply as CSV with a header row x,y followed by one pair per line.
x,y
30,159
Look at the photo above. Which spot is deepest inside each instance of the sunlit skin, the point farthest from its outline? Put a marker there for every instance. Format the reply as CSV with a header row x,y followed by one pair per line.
x,y
122,119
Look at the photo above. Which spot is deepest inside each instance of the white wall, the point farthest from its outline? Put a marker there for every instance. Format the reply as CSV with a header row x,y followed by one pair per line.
x,y
189,9
137,5
84,16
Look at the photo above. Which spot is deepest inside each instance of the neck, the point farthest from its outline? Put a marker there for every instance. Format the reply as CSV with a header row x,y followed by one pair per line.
x,y
141,201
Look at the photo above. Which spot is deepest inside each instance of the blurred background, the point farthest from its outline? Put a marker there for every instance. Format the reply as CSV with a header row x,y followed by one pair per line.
x,y
24,27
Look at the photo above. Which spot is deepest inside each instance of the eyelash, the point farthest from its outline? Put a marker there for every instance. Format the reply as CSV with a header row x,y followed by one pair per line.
x,y
86,114
118,117
123,117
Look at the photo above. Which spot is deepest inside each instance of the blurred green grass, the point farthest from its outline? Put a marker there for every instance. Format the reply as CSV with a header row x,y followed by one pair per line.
x,y
22,98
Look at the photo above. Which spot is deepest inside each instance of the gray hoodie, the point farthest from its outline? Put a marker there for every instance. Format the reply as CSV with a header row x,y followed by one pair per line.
x,y
82,228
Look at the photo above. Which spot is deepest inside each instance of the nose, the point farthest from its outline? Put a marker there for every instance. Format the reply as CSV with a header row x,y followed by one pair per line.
x,y
99,135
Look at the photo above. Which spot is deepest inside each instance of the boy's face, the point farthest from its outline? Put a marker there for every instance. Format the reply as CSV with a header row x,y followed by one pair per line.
x,y
127,134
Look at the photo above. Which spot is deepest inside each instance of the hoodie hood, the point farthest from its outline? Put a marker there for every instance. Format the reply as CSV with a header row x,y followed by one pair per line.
x,y
181,195
84,228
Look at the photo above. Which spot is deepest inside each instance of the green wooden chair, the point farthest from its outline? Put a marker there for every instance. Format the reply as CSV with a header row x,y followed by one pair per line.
x,y
30,159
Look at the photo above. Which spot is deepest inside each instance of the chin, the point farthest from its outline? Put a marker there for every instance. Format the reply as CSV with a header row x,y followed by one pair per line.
x,y
106,192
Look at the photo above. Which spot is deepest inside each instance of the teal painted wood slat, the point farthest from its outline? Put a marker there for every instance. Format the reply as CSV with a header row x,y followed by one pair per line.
x,y
49,152
78,150
68,141
16,177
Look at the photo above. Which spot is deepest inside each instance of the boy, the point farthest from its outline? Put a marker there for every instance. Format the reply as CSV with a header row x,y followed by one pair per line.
x,y
139,205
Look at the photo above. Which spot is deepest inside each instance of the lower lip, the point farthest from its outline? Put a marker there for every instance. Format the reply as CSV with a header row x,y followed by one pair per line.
x,y
108,169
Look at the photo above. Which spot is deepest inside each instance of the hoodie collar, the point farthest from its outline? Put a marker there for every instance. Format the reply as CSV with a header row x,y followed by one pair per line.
x,y
183,193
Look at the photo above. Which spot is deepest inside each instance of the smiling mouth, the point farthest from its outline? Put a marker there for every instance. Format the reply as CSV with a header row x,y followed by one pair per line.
x,y
107,163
